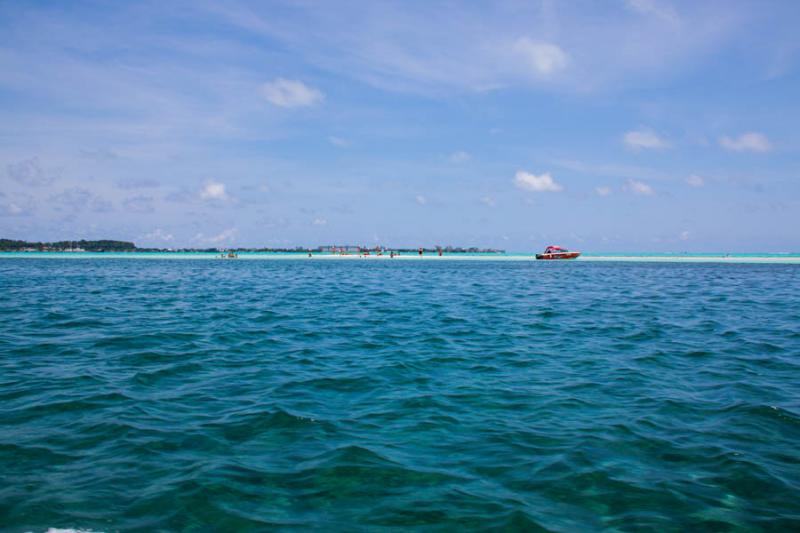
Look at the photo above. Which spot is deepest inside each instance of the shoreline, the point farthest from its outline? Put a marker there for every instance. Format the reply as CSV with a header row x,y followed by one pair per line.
x,y
643,258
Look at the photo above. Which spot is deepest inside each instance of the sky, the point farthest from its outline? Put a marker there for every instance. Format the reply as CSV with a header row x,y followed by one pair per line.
x,y
618,125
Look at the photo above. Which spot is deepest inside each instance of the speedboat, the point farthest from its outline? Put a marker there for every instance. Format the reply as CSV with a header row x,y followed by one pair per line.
x,y
557,252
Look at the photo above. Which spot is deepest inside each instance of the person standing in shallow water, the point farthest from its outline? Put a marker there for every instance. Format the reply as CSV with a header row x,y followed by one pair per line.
x,y
420,252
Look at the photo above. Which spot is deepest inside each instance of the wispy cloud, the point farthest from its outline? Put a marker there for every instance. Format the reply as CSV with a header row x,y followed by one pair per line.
x,y
655,8
341,142
29,172
136,183
15,207
488,201
421,200
101,154
639,188
319,221
139,204
101,205
224,236
291,93
431,49
72,199
644,140
532,182
747,142
459,157
159,234
611,170
602,190
695,181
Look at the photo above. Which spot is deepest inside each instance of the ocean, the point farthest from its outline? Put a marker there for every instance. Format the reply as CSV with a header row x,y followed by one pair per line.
x,y
210,395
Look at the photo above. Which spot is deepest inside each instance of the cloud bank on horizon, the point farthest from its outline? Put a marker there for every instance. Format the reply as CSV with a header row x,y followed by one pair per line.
x,y
624,125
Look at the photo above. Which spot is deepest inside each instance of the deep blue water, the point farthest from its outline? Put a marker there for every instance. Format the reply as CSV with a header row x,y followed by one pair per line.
x,y
168,395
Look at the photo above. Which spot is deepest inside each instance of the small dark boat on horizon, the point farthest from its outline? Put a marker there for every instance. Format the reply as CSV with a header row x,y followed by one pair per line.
x,y
557,252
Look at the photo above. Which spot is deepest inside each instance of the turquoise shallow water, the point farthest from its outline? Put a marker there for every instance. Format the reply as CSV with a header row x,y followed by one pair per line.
x,y
392,396
761,257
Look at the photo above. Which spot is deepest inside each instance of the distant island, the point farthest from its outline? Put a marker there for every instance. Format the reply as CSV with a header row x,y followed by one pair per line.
x,y
11,245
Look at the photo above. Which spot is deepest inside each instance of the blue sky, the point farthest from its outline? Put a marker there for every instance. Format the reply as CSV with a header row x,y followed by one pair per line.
x,y
629,125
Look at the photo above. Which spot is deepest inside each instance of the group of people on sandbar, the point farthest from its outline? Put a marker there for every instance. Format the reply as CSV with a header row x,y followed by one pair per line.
x,y
378,251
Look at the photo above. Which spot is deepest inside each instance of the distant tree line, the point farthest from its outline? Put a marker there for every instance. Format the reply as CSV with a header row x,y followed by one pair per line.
x,y
10,245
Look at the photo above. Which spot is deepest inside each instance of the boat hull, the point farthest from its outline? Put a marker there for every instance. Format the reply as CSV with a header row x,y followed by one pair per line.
x,y
558,255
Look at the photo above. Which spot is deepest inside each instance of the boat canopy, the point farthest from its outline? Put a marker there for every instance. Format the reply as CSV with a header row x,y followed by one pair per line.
x,y
554,249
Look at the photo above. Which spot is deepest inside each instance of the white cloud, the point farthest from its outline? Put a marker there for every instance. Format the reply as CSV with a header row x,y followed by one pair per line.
x,y
695,181
319,221
214,190
639,187
225,235
459,157
339,141
747,142
684,236
531,182
602,191
421,200
488,201
290,93
159,235
543,58
644,139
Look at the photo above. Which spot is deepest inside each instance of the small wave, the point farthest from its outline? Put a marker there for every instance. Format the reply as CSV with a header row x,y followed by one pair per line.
x,y
70,530
154,376
340,384
247,426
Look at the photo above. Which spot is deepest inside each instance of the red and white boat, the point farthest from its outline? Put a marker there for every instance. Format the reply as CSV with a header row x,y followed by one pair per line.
x,y
557,252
